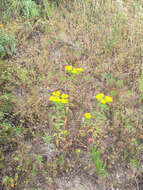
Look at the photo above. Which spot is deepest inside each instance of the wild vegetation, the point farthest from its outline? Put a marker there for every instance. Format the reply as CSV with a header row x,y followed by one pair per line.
x,y
71,93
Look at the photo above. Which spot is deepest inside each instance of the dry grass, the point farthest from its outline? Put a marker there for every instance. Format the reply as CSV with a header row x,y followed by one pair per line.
x,y
105,39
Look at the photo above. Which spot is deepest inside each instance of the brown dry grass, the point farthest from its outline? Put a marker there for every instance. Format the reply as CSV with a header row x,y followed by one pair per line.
x,y
105,39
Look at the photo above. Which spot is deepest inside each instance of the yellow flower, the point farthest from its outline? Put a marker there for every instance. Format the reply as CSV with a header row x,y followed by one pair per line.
x,y
57,93
64,101
58,99
64,95
103,101
87,115
74,71
68,68
79,69
108,99
54,99
99,96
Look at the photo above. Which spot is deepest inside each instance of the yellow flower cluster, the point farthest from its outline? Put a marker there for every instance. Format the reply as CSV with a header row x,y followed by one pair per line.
x,y
58,97
103,99
87,115
73,70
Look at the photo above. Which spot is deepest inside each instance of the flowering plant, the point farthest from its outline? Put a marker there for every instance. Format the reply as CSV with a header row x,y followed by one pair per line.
x,y
58,97
73,70
103,99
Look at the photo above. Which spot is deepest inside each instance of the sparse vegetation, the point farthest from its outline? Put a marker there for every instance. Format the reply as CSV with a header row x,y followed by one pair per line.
x,y
71,93
95,156
7,44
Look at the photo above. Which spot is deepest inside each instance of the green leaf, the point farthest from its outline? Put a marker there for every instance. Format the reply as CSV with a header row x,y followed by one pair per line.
x,y
39,158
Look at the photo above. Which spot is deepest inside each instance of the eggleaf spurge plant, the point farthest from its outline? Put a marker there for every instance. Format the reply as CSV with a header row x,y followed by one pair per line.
x,y
103,101
95,156
60,100
73,70
57,97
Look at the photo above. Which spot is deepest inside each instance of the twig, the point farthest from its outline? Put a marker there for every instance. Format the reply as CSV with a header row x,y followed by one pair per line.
x,y
137,183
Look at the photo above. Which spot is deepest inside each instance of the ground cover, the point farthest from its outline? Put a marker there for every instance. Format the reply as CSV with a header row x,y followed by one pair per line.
x,y
71,95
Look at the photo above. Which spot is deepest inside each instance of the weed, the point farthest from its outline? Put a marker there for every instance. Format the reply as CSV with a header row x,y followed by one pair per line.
x,y
8,181
109,44
135,163
73,70
14,9
39,158
87,115
141,83
95,156
103,99
48,8
57,99
7,44
29,9
103,53
47,138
